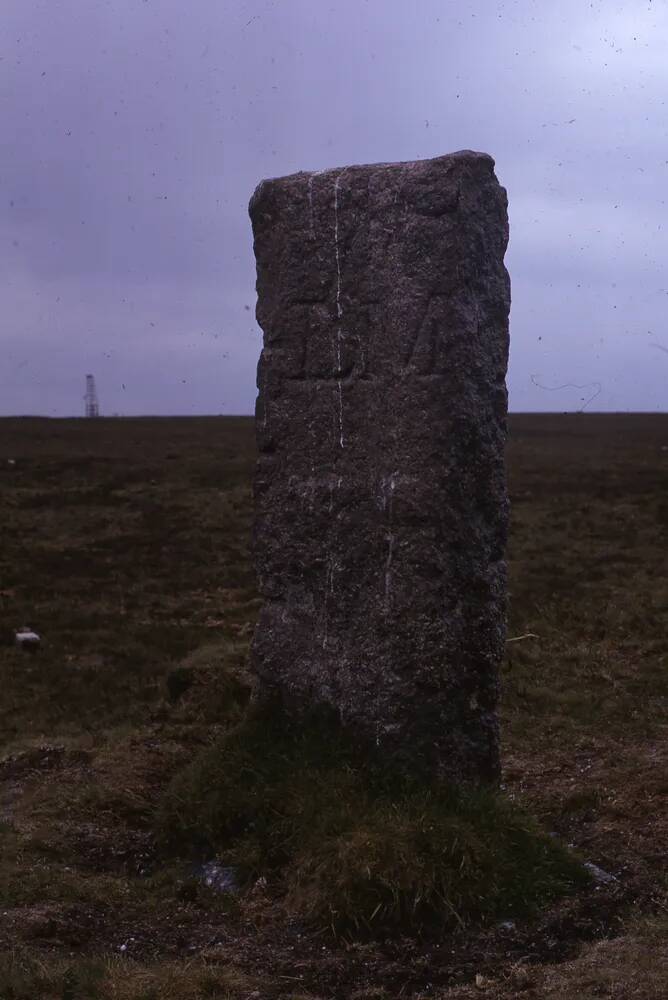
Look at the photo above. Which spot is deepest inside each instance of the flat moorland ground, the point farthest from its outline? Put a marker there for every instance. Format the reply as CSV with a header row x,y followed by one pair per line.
x,y
125,544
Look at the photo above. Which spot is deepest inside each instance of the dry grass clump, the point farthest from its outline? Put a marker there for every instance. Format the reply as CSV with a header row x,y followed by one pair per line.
x,y
211,685
26,977
348,844
631,967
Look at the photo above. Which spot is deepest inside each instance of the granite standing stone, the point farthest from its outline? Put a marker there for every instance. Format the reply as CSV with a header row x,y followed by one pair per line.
x,y
381,504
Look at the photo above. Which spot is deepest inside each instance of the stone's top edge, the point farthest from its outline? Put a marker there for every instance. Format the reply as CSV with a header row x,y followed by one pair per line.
x,y
460,155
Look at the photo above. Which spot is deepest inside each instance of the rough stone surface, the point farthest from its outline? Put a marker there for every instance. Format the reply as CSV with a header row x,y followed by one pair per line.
x,y
381,504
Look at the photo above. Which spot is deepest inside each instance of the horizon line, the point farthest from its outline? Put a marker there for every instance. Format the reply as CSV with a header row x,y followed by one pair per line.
x,y
251,416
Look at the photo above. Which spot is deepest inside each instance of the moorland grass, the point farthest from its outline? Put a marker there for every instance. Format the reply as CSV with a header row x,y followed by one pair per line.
x,y
126,545
23,976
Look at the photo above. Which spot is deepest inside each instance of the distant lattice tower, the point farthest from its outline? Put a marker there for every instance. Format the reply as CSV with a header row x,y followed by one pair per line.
x,y
92,405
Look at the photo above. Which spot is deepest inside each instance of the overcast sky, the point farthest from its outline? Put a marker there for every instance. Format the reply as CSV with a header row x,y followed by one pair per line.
x,y
134,133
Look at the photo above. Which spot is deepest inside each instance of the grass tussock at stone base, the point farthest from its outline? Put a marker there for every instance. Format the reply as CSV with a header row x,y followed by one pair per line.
x,y
348,844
